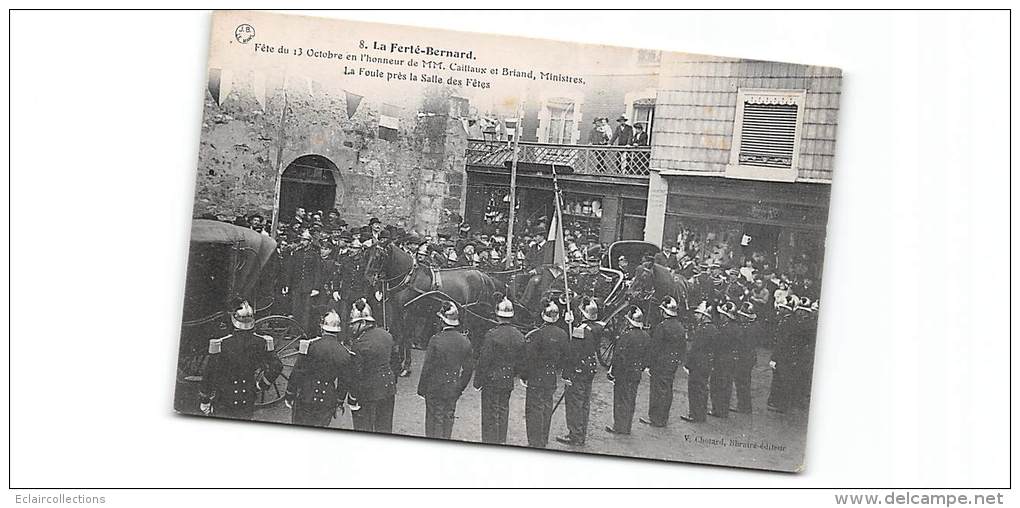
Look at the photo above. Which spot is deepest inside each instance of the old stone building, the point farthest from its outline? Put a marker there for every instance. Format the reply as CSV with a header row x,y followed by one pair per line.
x,y
272,143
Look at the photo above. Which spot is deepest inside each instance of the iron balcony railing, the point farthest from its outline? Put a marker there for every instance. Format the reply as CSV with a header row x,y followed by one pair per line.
x,y
625,161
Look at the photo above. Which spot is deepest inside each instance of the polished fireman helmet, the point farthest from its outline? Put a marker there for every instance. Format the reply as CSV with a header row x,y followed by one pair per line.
x,y
505,308
703,309
728,309
243,318
635,317
804,304
669,306
590,309
747,311
331,322
449,314
551,313
360,311
784,303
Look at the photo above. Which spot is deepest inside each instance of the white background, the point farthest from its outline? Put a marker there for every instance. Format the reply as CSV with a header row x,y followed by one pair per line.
x,y
912,371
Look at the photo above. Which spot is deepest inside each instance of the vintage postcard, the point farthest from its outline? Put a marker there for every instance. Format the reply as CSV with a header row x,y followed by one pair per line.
x,y
483,238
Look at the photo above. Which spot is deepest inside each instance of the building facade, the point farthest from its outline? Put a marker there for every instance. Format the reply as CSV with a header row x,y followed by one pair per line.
x,y
605,188
270,144
739,166
742,160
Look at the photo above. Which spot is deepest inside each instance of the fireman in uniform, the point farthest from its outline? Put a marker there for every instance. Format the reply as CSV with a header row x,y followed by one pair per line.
x,y
629,361
783,356
318,384
668,348
303,279
721,381
349,268
501,359
240,365
803,333
699,363
543,351
445,372
579,371
374,385
746,356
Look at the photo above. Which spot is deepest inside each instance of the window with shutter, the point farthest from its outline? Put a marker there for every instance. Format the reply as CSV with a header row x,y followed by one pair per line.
x,y
766,134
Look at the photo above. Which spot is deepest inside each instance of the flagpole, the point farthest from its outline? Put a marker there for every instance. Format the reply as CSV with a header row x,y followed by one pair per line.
x,y
513,189
275,230
561,244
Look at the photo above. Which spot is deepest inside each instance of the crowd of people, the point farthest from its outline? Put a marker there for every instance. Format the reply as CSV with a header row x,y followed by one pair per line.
x,y
351,361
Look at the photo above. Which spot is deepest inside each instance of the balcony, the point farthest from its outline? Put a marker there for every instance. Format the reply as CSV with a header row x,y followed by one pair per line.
x,y
593,160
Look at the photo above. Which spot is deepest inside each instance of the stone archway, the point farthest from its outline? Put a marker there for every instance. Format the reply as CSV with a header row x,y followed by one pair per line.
x,y
309,182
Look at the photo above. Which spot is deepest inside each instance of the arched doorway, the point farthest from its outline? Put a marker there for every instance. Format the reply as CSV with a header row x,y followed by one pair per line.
x,y
308,182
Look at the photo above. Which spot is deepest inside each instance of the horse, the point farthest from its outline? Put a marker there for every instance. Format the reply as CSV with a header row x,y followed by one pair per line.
x,y
411,291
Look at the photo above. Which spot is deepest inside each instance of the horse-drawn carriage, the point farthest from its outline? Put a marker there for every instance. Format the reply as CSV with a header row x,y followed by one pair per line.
x,y
228,264
614,287
410,290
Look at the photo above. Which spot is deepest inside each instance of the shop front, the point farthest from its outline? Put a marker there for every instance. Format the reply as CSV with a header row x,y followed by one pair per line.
x,y
729,221
602,209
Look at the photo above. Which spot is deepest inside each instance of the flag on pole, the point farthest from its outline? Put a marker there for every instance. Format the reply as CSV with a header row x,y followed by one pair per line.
x,y
556,236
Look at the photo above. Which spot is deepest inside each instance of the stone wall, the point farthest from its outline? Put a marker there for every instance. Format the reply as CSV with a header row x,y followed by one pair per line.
x,y
248,139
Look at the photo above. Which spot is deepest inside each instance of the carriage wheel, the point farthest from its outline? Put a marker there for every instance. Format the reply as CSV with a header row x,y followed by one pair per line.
x,y
191,366
286,333
610,335
606,349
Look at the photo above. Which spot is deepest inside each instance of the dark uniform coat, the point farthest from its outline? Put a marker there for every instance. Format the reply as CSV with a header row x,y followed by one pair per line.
x,y
668,348
579,368
239,364
794,356
320,379
699,368
629,360
374,383
543,351
784,354
304,273
445,372
746,355
723,363
500,360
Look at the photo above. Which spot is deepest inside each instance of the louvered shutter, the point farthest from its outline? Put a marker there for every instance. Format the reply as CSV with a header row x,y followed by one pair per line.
x,y
767,134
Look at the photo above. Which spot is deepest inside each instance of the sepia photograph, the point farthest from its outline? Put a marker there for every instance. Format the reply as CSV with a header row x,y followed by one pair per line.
x,y
508,241
314,256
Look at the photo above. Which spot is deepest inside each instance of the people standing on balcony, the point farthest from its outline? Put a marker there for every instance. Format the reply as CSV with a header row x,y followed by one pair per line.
x,y
599,136
622,136
640,136
624,133
606,128
639,162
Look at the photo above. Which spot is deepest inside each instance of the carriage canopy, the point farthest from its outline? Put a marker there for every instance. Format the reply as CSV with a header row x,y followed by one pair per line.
x,y
223,264
633,250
